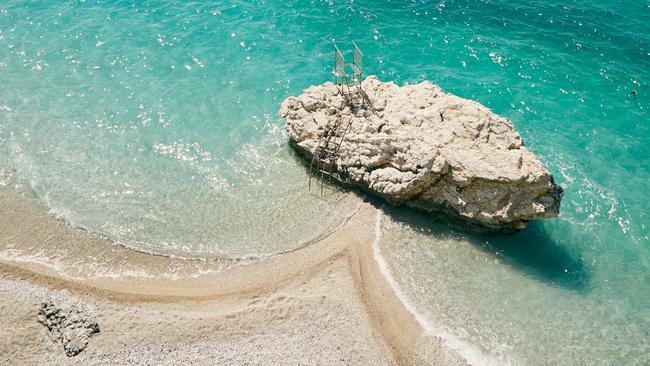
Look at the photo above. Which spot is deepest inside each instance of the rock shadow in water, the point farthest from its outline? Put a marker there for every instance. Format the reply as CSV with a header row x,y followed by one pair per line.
x,y
531,251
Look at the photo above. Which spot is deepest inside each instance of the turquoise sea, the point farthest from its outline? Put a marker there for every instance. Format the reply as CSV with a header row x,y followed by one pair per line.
x,y
156,123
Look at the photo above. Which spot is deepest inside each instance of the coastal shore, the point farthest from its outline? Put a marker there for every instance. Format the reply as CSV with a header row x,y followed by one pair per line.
x,y
327,302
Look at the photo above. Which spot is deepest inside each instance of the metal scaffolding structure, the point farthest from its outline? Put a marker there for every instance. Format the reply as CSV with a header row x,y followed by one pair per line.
x,y
348,78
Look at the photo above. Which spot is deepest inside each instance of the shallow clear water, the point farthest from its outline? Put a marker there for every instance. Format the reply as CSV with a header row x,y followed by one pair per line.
x,y
156,123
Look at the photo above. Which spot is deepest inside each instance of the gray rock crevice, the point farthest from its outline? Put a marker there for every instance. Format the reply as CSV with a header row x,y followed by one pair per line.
x,y
68,324
418,146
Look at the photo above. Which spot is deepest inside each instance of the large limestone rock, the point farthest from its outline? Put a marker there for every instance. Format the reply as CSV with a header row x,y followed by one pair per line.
x,y
418,146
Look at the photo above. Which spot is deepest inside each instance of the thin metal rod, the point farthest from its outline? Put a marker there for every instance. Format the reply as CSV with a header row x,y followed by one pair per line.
x,y
316,152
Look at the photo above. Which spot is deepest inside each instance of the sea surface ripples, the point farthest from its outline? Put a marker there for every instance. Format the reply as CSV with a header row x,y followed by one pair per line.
x,y
156,124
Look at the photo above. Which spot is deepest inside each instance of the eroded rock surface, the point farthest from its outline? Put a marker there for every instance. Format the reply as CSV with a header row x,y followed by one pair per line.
x,y
69,325
418,146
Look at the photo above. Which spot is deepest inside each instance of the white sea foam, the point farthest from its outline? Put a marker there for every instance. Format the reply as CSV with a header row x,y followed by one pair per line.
x,y
472,353
99,271
56,266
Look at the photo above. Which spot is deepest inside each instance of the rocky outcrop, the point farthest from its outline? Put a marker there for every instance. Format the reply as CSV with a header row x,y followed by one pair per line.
x,y
68,325
418,146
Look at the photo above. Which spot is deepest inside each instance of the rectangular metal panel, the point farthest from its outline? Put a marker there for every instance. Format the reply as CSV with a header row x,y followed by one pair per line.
x,y
340,62
357,57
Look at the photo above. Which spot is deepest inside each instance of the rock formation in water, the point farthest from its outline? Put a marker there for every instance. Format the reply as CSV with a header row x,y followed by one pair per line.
x,y
418,146
68,325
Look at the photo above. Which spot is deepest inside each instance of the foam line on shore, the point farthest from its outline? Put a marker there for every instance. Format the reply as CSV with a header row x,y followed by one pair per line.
x,y
468,351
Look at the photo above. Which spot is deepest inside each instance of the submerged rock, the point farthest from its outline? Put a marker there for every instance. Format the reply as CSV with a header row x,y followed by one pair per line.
x,y
68,325
418,146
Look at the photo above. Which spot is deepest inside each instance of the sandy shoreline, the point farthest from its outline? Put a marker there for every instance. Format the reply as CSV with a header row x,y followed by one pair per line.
x,y
325,303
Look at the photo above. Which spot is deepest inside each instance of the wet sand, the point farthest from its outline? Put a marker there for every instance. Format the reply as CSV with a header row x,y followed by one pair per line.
x,y
326,303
